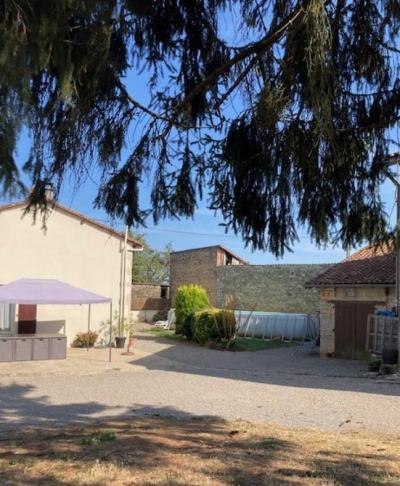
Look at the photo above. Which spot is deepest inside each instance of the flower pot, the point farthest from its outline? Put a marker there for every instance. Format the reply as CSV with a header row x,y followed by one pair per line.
x,y
390,356
120,342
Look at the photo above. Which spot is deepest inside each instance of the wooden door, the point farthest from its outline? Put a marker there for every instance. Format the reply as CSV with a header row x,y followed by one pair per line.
x,y
27,319
344,329
351,329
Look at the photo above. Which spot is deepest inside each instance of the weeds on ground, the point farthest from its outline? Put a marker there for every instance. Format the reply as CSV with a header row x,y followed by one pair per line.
x,y
170,451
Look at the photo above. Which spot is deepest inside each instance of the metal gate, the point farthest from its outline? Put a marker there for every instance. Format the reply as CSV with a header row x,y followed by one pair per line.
x,y
382,333
351,319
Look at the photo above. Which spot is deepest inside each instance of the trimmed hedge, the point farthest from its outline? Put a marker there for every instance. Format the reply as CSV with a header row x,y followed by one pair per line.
x,y
214,326
189,300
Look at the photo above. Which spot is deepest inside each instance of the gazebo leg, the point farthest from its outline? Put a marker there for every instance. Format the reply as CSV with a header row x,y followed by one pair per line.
x,y
88,330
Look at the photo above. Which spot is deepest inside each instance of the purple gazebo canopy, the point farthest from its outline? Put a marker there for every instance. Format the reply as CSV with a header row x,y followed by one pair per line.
x,y
47,291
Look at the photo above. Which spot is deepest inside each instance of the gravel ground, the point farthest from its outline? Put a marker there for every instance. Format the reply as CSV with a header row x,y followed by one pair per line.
x,y
279,386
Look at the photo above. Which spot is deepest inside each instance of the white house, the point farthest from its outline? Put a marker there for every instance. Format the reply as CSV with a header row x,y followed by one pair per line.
x,y
72,248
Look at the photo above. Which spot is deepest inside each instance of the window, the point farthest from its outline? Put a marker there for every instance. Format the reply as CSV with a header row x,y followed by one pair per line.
x,y
164,292
7,312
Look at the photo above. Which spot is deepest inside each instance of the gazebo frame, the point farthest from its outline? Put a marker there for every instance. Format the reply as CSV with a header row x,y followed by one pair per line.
x,y
53,292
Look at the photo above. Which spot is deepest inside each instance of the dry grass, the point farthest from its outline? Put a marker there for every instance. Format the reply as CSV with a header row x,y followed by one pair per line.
x,y
172,452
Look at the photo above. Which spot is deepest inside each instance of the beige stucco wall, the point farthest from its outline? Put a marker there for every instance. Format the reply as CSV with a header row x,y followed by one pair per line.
x,y
70,250
384,295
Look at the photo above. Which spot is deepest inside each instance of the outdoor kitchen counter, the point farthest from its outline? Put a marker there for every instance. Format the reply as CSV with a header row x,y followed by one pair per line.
x,y
32,347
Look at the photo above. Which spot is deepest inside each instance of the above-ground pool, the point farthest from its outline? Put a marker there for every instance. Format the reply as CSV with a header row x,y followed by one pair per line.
x,y
270,325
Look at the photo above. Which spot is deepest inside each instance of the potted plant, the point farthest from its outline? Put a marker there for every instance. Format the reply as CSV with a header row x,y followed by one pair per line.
x,y
390,356
121,329
125,329
374,364
129,330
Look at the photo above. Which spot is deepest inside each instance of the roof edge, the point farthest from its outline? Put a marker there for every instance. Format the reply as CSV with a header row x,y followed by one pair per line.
x,y
352,285
224,248
78,215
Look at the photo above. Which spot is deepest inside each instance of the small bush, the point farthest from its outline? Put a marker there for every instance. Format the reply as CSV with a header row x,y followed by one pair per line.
x,y
83,339
189,300
374,364
214,326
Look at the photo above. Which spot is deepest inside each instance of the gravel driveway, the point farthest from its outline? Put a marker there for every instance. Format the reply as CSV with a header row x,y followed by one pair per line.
x,y
292,387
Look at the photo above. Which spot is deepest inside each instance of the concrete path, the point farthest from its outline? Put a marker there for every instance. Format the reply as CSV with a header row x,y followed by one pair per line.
x,y
286,386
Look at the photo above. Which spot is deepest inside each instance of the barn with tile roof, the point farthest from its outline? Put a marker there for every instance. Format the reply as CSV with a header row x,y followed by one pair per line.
x,y
349,292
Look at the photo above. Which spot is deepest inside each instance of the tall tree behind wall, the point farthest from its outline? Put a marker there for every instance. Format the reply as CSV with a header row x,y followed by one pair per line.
x,y
151,265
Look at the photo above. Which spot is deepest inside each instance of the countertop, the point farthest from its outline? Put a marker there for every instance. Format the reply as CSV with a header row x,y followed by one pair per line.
x,y
31,336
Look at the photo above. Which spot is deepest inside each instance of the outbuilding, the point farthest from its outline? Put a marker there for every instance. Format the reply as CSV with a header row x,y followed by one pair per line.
x,y
349,292
73,248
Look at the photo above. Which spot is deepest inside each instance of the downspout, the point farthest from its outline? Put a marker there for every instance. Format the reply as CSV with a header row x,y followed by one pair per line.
x,y
124,276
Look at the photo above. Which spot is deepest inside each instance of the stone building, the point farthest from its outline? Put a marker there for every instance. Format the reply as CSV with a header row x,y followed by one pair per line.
x,y
226,277
199,266
349,292
147,299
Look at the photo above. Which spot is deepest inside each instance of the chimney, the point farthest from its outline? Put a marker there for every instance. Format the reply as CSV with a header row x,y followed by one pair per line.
x,y
49,192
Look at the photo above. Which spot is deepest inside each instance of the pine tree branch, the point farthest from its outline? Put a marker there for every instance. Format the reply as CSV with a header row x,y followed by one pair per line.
x,y
252,49
139,105
255,48
238,80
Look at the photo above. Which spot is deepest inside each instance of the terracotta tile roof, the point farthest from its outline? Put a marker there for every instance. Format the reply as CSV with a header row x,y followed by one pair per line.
x,y
372,251
80,216
369,266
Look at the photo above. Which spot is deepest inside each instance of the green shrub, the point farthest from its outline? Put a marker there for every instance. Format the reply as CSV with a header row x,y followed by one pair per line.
x,y
189,300
374,364
83,339
214,326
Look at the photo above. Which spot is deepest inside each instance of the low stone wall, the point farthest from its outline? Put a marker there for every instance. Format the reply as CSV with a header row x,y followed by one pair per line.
x,y
143,303
269,288
148,297
145,290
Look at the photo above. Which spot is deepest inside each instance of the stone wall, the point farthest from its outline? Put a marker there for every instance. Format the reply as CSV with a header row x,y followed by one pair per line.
x,y
148,297
142,290
197,266
269,288
327,325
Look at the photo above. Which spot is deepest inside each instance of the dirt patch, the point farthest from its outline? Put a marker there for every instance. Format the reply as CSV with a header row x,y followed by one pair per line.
x,y
172,452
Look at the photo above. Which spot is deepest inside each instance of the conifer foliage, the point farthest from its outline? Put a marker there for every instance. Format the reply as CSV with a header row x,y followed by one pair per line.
x,y
277,111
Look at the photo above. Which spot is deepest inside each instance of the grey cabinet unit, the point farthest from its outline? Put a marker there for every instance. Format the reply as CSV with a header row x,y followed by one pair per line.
x,y
33,347
58,348
23,349
40,349
6,349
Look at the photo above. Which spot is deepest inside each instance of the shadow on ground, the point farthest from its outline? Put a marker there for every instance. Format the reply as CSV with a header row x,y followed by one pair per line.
x,y
16,406
289,366
171,452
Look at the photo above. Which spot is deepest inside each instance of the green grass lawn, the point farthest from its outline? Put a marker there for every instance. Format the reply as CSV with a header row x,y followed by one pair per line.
x,y
242,343
165,333
254,344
